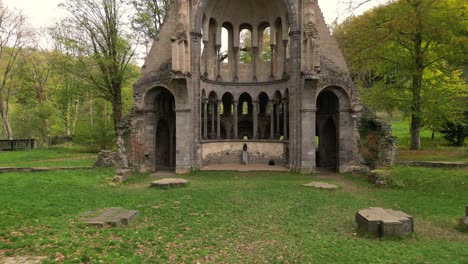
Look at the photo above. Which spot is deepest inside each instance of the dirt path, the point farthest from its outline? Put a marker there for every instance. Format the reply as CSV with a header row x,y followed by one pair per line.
x,y
347,184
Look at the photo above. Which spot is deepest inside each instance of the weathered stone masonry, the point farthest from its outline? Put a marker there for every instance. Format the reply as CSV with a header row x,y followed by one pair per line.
x,y
199,103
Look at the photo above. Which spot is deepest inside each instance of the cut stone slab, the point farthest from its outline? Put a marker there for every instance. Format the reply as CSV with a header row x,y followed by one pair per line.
x,y
384,222
322,185
123,175
169,182
113,217
21,259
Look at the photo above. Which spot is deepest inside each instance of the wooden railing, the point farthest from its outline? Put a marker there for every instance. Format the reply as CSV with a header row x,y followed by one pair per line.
x,y
17,144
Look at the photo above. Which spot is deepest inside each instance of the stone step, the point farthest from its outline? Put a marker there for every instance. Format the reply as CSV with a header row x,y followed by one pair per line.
x,y
113,217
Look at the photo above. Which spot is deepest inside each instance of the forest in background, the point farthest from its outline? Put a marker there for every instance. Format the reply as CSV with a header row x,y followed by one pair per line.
x,y
74,80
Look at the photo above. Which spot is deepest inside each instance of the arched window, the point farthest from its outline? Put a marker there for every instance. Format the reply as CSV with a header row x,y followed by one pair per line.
x,y
224,51
245,37
266,48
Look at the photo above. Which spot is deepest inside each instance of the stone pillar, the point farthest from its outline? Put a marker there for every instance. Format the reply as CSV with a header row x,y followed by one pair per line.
x,y
255,119
285,118
254,63
285,50
205,59
295,94
236,120
205,118
344,130
236,61
272,119
278,125
272,63
212,133
218,63
218,119
308,140
186,160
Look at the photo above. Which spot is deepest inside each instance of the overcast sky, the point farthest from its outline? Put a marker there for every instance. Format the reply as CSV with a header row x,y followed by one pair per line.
x,y
46,12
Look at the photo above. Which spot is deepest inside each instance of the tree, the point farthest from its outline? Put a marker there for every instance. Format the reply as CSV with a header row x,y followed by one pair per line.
x,y
95,33
14,33
148,18
404,53
36,71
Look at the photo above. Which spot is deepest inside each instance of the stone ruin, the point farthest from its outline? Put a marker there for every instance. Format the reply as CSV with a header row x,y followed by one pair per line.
x,y
109,217
384,222
222,74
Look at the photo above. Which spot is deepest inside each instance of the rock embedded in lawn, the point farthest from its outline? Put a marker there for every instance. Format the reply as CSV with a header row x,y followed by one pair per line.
x,y
169,182
123,175
322,185
112,217
464,220
384,222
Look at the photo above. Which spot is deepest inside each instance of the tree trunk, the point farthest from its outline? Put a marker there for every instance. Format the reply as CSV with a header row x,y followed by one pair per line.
x,y
4,114
6,124
417,76
90,110
117,105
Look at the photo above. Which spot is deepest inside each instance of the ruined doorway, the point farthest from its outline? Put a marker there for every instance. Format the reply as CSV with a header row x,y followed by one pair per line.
x,y
327,130
165,145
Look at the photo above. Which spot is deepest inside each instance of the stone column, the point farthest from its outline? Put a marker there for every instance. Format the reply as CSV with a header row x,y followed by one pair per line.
x,y
236,120
285,118
254,63
285,50
205,52
278,125
272,63
212,133
308,140
272,119
218,119
205,118
236,61
218,63
255,119
344,130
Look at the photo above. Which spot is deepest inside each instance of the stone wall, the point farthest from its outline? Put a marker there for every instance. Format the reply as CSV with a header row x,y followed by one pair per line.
x,y
215,153
377,145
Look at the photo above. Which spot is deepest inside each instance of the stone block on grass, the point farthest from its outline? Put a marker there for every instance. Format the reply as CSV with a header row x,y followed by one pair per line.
x,y
123,175
113,217
169,182
384,222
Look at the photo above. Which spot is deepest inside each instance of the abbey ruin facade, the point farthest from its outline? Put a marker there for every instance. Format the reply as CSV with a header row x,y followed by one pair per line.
x,y
260,75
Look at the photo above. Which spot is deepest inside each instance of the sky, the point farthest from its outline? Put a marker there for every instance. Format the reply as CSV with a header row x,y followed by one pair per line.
x,y
45,12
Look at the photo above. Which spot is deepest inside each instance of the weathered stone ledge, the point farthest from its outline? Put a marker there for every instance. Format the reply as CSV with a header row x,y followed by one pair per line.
x,y
433,164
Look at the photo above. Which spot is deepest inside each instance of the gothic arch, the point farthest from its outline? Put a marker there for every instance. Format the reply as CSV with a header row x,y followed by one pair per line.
x,y
160,119
203,4
343,96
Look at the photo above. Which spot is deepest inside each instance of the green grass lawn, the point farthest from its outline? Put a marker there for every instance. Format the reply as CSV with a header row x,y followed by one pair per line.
x,y
47,157
436,149
229,217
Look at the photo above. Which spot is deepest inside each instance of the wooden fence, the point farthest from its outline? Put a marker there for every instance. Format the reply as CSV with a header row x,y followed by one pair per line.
x,y
17,144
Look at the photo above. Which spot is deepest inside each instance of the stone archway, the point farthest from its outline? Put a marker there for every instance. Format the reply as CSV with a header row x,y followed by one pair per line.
x,y
160,121
327,123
